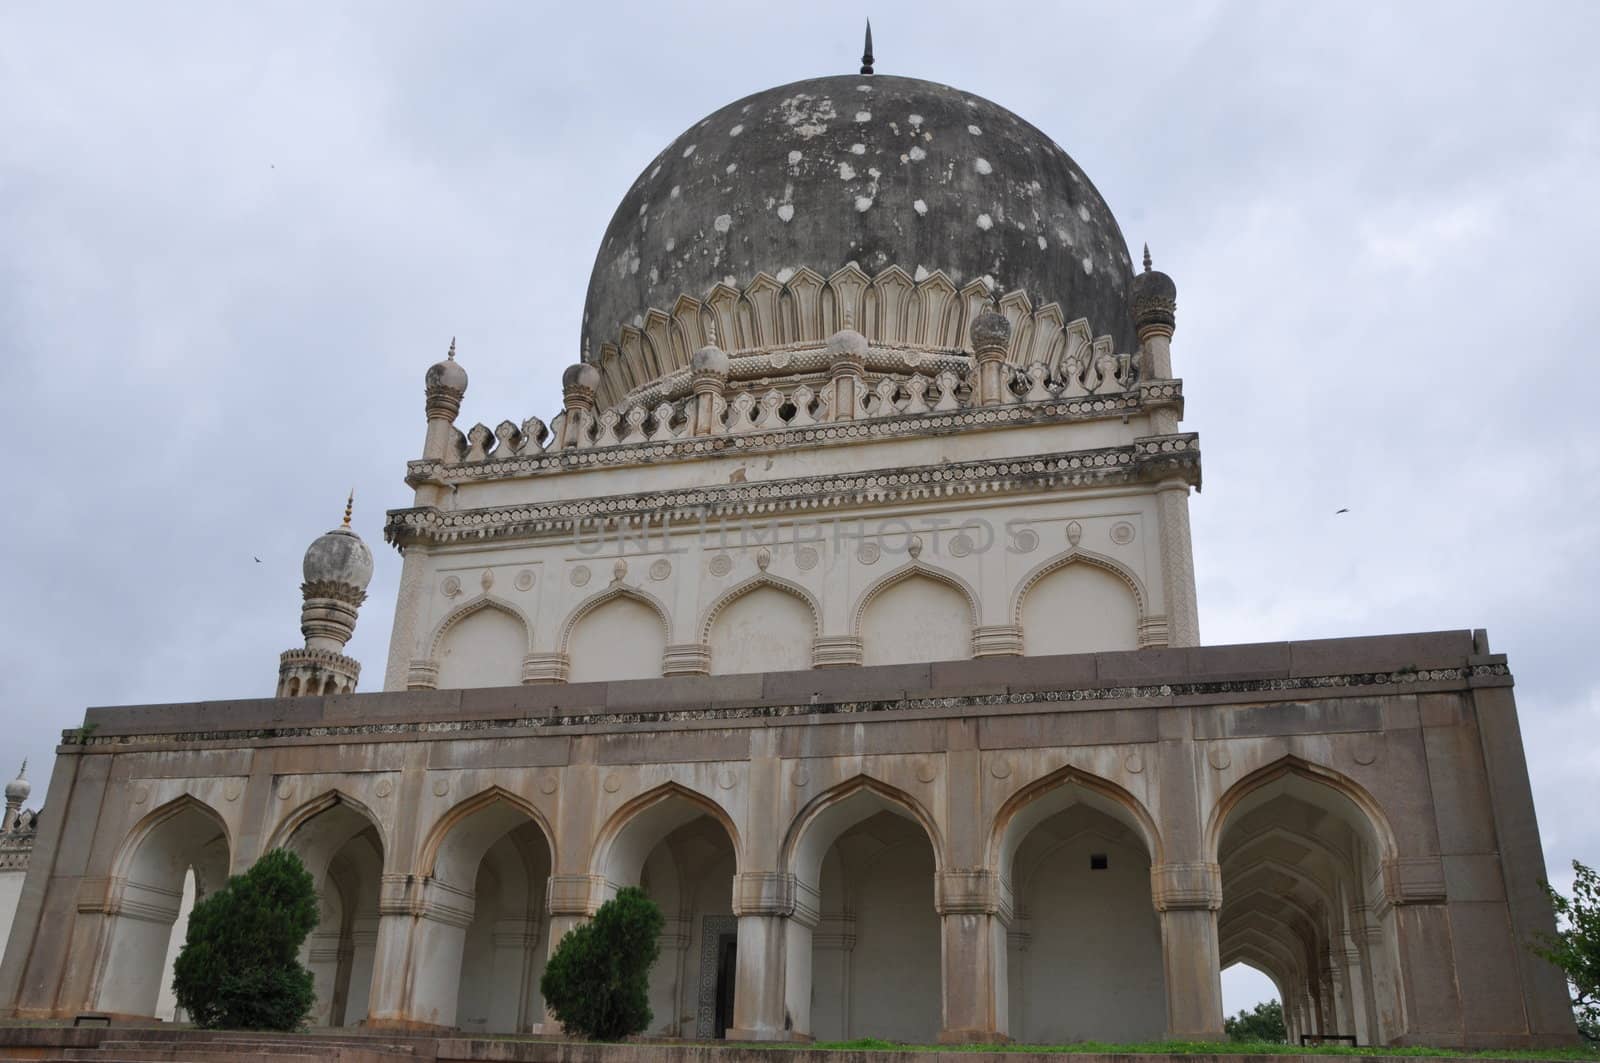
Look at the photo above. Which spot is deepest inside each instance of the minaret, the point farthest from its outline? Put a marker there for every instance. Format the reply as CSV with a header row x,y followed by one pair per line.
x,y
337,568
17,791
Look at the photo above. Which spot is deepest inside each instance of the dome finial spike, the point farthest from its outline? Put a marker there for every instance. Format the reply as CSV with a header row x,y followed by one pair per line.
x,y
22,772
1147,258
451,354
866,51
349,506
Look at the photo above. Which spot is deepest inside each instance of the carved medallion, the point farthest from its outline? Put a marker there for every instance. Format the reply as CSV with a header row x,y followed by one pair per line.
x,y
1000,767
1134,763
763,558
806,558
580,576
727,779
927,772
525,580
612,784
384,788
868,553
547,785
800,776
1025,541
232,790
962,545
441,786
451,586
721,565
1074,532
1217,756
660,569
1122,533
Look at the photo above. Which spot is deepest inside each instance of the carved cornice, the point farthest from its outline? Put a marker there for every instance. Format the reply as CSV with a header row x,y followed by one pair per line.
x,y
1147,460
1359,683
1149,396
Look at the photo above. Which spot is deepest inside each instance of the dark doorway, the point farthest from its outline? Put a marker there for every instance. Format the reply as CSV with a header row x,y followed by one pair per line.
x,y
727,974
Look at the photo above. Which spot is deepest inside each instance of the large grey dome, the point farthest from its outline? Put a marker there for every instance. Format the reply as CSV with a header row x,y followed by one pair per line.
x,y
338,556
868,169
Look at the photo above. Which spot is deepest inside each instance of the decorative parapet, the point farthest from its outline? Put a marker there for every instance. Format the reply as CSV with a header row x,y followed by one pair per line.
x,y
305,672
1148,459
782,415
806,308
16,844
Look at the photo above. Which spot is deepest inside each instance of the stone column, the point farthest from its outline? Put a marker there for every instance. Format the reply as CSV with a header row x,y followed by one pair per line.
x,y
416,978
709,372
570,899
975,1003
408,606
1188,895
1177,563
847,352
1414,898
764,901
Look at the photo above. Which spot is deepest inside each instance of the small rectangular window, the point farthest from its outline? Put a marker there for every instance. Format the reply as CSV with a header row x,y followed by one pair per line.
x,y
1098,862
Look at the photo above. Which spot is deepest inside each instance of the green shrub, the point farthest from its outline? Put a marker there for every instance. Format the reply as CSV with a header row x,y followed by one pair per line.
x,y
1575,947
598,982
240,967
1262,1023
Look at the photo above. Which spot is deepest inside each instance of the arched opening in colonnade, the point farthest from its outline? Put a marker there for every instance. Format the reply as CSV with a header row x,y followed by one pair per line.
x,y
184,840
865,947
489,862
1084,958
681,848
340,844
1301,852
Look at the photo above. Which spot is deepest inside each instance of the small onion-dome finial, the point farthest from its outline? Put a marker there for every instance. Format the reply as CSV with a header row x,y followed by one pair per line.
x,y
448,374
18,789
991,328
866,52
1155,299
709,359
580,375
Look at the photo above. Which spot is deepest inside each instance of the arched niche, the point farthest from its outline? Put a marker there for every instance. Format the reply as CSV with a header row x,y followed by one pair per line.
x,y
620,633
1084,952
481,644
341,844
1302,851
682,849
865,946
763,625
145,893
487,864
917,613
1079,603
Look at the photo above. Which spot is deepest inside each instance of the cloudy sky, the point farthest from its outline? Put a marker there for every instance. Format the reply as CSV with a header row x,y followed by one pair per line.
x,y
232,239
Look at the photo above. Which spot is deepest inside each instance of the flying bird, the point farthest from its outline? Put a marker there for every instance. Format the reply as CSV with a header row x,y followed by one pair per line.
x,y
1339,511
258,560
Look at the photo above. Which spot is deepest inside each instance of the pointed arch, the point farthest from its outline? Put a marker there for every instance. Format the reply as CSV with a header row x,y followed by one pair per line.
x,y
910,570
518,809
285,831
155,819
1380,832
759,580
1076,556
1030,804
803,848
628,835
466,609
611,594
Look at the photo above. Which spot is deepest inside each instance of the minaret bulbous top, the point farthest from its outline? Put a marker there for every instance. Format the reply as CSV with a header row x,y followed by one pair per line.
x,y
447,374
339,556
1155,299
18,789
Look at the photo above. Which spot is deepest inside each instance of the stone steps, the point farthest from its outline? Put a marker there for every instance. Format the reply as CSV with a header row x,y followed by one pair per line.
x,y
169,1047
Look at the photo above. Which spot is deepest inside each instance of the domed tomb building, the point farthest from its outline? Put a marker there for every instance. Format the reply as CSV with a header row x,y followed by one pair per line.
x,y
846,606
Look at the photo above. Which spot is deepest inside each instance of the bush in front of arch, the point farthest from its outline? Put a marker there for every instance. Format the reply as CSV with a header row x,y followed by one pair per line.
x,y
240,965
598,982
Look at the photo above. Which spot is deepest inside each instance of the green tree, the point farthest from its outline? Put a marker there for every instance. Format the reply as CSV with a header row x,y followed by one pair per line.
x,y
1575,947
240,967
1262,1023
598,982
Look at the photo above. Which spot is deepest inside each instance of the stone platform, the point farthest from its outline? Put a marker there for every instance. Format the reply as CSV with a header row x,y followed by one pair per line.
x,y
178,1045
